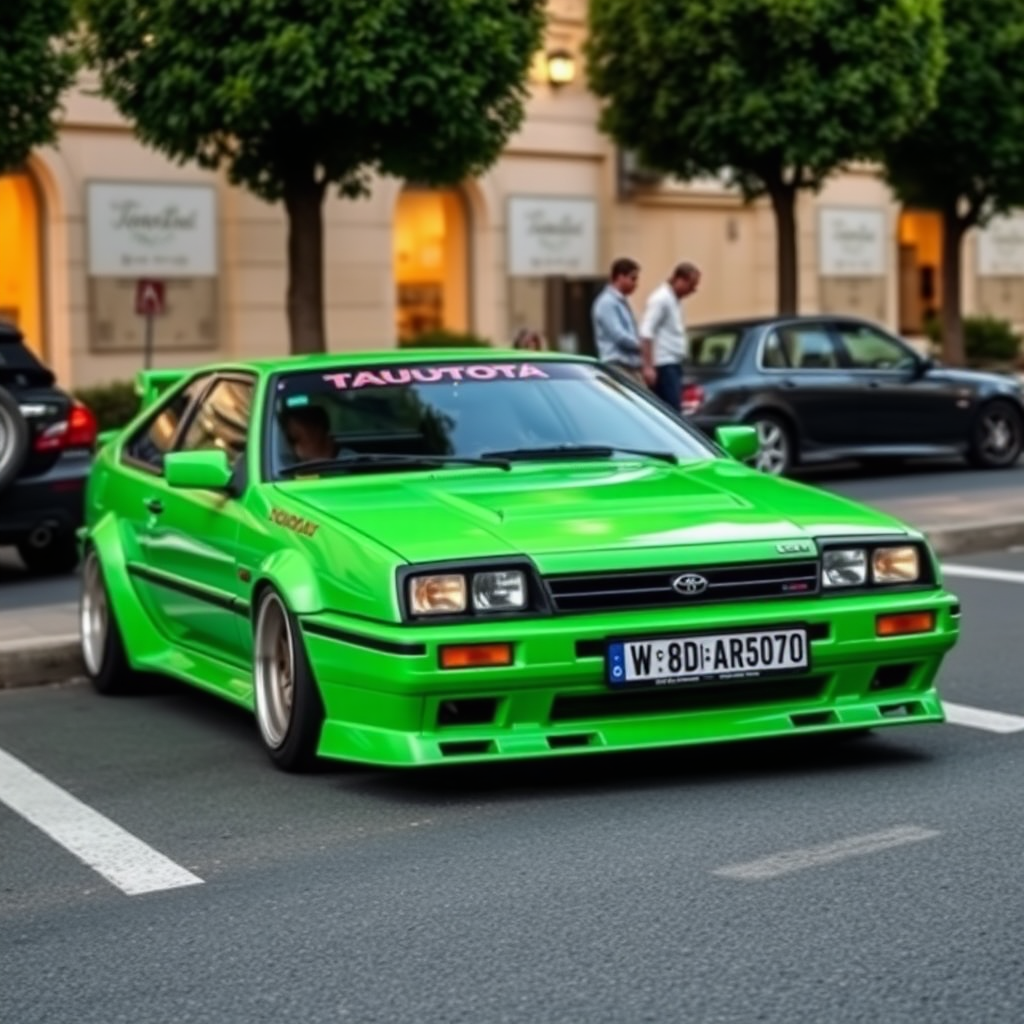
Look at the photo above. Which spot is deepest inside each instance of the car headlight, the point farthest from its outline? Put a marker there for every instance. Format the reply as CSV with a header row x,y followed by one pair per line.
x,y
455,593
499,591
896,565
844,567
439,594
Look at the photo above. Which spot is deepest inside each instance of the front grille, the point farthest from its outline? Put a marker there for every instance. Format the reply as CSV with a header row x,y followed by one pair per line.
x,y
652,588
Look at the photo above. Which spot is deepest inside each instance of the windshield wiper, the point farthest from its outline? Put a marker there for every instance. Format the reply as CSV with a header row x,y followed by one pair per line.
x,y
385,460
577,451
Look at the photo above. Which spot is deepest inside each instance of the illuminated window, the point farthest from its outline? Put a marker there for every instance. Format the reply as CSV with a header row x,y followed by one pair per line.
x,y
20,262
431,262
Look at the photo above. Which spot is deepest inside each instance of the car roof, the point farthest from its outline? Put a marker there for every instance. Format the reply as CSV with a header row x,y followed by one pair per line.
x,y
748,323
385,357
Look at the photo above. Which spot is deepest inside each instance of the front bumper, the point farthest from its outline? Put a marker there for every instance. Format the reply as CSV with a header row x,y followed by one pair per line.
x,y
388,702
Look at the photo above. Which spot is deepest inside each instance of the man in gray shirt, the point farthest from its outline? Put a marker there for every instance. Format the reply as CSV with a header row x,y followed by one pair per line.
x,y
615,330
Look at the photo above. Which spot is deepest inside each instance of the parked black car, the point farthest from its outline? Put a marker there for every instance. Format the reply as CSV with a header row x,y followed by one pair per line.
x,y
825,388
46,444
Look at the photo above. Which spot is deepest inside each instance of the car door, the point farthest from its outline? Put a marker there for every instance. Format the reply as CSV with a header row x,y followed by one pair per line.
x,y
800,364
190,538
900,404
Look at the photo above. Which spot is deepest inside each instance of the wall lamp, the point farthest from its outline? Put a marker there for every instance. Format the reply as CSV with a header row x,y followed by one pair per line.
x,y
561,67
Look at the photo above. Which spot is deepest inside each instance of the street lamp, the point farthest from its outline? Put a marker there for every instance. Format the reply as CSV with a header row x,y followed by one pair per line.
x,y
561,67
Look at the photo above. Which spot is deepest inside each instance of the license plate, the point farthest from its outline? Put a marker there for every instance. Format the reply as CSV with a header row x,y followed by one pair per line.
x,y
697,658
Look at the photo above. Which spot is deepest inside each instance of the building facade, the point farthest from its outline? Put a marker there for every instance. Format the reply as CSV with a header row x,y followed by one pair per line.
x,y
98,230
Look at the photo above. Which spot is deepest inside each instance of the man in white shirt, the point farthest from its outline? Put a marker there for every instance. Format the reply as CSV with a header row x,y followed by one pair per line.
x,y
663,334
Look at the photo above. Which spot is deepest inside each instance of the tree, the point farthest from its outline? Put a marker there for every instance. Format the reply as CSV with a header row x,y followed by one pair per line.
x,y
966,159
294,97
37,66
778,94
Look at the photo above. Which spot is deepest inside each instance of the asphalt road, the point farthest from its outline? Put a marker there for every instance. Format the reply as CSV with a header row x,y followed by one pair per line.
x,y
600,889
918,479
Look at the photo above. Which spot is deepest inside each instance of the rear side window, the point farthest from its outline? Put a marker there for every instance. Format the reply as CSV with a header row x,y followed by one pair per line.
x,y
153,440
19,366
713,348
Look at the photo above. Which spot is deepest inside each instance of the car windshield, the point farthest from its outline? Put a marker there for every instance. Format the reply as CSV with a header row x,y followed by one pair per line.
x,y
421,414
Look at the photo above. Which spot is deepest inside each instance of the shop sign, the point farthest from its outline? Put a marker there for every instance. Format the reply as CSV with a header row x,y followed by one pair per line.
x,y
851,241
552,236
158,231
1001,247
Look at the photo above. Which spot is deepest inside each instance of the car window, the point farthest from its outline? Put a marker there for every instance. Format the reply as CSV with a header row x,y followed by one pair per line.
x,y
465,410
19,366
775,355
809,347
869,349
153,440
713,348
221,420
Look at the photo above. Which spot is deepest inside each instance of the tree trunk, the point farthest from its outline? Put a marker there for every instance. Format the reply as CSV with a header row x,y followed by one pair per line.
x,y
953,352
304,201
783,198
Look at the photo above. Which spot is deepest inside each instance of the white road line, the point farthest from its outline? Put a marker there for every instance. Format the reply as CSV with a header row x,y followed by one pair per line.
x,y
978,718
814,856
122,859
981,572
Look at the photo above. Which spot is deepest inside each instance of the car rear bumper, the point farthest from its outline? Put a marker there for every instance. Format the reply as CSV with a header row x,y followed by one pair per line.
x,y
708,423
55,500
388,702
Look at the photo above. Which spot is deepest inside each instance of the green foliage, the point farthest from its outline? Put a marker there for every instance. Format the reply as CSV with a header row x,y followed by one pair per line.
x,y
986,339
38,65
285,91
779,92
112,404
967,155
444,339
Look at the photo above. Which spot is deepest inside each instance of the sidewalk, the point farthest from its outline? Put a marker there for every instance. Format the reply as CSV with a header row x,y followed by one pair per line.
x,y
39,643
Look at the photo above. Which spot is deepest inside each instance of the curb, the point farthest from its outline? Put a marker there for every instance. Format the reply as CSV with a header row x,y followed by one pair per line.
x,y
50,659
58,659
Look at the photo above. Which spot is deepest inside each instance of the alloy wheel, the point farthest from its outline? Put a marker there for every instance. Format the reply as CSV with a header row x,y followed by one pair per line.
x,y
773,454
94,615
1000,435
274,671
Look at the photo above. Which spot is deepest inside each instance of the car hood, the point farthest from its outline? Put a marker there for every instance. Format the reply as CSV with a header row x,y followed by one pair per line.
x,y
552,513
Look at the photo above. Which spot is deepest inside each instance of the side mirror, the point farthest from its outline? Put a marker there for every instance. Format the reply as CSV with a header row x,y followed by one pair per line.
x,y
206,470
741,442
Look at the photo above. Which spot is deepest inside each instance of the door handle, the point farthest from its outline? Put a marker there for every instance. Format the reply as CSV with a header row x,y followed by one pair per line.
x,y
154,505
787,383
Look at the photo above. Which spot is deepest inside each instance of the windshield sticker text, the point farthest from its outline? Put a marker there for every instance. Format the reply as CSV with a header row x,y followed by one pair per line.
x,y
433,375
293,522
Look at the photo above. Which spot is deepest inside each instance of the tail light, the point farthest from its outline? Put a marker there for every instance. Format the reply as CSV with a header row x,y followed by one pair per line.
x,y
79,430
693,398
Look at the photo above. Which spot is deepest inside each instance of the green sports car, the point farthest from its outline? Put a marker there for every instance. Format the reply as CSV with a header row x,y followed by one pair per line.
x,y
420,557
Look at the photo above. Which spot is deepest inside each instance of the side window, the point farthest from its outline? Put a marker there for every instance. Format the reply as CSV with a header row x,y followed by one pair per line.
x,y
153,440
774,355
222,419
869,349
810,347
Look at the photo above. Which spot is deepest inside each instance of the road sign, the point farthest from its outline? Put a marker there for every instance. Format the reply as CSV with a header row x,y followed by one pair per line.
x,y
149,297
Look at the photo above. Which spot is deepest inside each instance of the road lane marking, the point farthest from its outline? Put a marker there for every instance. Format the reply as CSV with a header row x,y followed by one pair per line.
x,y
978,718
120,857
829,853
982,572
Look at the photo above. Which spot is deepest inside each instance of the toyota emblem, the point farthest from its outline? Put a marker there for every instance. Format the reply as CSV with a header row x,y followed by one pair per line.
x,y
689,584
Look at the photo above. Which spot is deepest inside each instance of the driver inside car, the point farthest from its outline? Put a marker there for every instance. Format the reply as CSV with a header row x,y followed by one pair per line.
x,y
308,430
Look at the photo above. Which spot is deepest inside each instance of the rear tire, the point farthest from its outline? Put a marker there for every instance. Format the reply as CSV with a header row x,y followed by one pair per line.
x,y
778,444
57,557
289,711
997,436
106,663
13,439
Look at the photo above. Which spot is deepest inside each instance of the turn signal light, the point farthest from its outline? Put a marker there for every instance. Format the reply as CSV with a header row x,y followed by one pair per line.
x,y
476,655
905,624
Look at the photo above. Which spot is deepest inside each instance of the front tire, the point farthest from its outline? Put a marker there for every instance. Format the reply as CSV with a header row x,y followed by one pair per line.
x,y
106,663
289,711
997,436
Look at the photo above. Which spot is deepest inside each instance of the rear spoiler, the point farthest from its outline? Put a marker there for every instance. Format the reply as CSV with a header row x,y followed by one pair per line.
x,y
151,384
